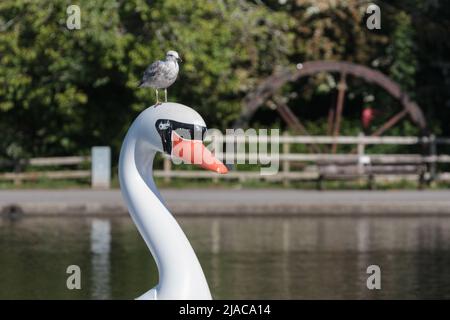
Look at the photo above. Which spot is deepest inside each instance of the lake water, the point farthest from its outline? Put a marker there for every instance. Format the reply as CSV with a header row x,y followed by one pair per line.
x,y
243,258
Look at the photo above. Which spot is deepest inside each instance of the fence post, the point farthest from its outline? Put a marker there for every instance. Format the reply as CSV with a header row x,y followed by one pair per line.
x,y
286,165
361,151
433,152
101,167
17,171
215,178
167,169
361,160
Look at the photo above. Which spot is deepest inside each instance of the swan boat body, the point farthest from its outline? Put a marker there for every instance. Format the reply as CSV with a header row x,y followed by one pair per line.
x,y
176,130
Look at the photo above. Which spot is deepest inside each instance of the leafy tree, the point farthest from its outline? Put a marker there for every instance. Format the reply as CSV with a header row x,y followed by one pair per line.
x,y
63,91
401,52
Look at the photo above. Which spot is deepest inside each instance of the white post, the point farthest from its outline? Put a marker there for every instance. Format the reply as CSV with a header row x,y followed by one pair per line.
x,y
101,167
286,166
361,150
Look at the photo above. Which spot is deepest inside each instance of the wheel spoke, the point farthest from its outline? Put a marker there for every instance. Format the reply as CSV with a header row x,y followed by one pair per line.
x,y
293,122
390,123
342,87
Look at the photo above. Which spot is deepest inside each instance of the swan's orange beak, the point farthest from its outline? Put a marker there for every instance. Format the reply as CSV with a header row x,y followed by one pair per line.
x,y
195,152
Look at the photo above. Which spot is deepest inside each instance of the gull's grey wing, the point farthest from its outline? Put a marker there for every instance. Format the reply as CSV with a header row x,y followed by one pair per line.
x,y
160,75
152,71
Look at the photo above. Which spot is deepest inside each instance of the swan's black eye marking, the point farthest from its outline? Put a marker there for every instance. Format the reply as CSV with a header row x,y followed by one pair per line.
x,y
184,130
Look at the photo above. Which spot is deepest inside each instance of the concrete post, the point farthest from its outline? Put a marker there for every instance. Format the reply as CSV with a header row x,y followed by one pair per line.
x,y
101,167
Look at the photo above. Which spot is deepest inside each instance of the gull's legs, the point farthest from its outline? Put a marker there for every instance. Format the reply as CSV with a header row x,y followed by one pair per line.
x,y
165,94
157,97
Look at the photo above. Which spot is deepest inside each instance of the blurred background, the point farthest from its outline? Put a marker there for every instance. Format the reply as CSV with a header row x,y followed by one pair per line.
x,y
358,109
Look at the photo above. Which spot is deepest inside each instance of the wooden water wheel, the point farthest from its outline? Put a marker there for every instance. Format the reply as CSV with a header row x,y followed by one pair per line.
x,y
266,93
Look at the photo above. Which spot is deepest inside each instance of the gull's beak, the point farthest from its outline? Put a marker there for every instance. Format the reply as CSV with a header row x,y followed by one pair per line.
x,y
179,59
195,152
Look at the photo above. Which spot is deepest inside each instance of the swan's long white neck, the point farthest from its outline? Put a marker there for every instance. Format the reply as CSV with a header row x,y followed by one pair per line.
x,y
180,273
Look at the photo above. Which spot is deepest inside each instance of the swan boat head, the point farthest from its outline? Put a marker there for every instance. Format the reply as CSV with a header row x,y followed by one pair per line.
x,y
178,131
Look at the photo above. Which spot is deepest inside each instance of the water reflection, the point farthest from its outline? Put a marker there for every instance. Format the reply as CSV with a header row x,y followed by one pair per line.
x,y
100,248
242,257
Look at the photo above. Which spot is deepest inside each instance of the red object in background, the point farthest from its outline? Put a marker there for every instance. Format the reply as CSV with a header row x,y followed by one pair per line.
x,y
367,116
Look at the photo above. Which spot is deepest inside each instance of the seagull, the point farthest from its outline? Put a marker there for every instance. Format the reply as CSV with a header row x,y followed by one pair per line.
x,y
161,74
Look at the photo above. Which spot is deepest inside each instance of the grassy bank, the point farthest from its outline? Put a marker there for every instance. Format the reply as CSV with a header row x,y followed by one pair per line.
x,y
225,184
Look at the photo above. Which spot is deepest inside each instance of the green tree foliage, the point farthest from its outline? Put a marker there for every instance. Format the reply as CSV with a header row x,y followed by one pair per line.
x,y
63,91
401,51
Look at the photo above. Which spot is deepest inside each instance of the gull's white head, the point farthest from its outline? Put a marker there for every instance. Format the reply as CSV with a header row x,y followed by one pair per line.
x,y
173,55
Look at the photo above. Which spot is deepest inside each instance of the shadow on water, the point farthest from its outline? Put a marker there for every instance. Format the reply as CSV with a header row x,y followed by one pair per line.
x,y
284,258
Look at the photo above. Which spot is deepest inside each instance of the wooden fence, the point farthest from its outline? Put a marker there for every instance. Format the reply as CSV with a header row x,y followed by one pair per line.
x,y
20,174
357,164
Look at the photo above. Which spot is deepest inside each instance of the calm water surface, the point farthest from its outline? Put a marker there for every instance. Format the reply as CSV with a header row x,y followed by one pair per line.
x,y
282,258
